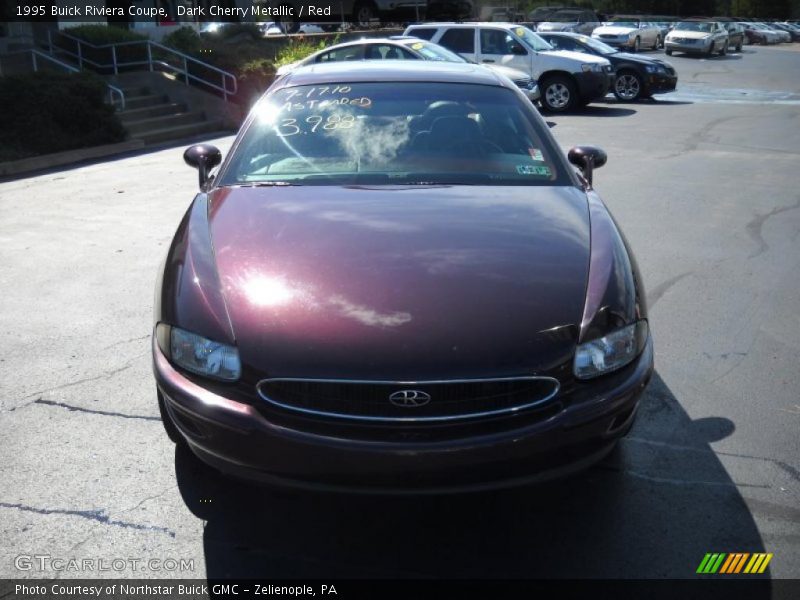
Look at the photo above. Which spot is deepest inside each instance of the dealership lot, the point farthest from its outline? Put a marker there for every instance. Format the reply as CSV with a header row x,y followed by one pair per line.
x,y
704,183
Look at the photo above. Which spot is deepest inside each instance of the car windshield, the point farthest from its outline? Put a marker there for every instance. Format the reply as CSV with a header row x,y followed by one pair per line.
x,y
533,41
693,26
597,45
394,134
564,16
431,51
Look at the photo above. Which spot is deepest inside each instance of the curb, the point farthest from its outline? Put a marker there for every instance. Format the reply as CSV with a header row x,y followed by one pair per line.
x,y
46,161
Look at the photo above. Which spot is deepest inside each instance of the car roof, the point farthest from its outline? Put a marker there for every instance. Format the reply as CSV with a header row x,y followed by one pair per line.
x,y
364,40
451,24
391,71
570,34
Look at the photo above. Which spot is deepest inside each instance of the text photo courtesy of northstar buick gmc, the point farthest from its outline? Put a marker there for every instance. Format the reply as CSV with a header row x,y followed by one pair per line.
x,y
397,281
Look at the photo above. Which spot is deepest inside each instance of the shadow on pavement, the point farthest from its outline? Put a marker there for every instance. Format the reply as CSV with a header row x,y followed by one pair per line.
x,y
180,143
653,508
594,110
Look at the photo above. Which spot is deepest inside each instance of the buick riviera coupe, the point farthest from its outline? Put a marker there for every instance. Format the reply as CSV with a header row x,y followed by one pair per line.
x,y
397,282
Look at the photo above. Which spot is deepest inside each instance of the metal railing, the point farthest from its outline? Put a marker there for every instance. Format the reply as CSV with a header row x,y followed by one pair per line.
x,y
37,56
155,57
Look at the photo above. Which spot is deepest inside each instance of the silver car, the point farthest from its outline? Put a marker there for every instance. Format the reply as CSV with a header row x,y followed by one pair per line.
x,y
697,37
405,48
572,20
630,33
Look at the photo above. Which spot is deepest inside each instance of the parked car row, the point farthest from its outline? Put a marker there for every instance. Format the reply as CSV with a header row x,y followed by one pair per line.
x,y
705,36
562,69
635,76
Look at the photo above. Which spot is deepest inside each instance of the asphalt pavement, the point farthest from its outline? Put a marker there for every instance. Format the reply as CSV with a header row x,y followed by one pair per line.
x,y
704,182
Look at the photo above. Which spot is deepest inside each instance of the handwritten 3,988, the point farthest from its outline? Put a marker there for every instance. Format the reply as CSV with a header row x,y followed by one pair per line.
x,y
313,124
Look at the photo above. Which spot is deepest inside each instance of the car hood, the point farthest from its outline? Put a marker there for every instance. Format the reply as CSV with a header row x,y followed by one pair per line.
x,y
639,58
613,30
577,56
557,25
402,283
690,35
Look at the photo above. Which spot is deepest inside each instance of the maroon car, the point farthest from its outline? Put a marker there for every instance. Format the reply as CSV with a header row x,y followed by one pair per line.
x,y
396,281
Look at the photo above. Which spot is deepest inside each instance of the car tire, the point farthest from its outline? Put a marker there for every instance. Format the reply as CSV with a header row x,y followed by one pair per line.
x,y
169,426
628,86
724,50
363,13
558,94
739,47
657,45
637,43
710,51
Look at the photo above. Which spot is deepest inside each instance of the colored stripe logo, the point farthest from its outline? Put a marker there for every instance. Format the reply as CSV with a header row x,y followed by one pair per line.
x,y
734,563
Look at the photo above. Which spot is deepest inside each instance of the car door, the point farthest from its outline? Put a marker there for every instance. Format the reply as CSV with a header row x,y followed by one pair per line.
x,y
460,40
588,24
723,33
499,46
647,34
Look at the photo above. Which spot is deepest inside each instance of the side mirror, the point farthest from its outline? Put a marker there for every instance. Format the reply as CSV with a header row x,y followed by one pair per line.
x,y
202,157
587,158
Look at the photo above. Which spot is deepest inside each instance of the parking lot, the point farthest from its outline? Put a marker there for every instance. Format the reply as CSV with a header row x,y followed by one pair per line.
x,y
705,184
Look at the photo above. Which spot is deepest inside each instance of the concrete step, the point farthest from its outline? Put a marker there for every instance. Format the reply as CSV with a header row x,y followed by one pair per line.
x,y
143,126
132,102
181,131
137,114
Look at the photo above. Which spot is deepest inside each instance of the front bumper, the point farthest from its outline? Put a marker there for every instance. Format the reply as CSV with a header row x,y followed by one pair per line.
x,y
593,85
617,42
531,93
688,47
239,439
657,83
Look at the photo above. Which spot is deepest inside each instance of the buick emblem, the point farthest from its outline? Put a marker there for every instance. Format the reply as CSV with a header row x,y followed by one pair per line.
x,y
409,398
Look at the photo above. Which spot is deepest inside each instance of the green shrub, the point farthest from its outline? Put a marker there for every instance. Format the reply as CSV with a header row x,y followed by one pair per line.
x,y
255,76
299,48
185,39
51,112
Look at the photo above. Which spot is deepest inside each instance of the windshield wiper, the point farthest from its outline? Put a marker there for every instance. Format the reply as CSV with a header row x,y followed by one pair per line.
x,y
266,184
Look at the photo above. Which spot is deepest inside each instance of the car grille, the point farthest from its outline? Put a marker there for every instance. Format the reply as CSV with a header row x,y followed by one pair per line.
x,y
446,400
681,40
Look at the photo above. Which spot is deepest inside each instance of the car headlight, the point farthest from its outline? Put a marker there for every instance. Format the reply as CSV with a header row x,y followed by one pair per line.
x,y
610,352
198,354
654,69
594,68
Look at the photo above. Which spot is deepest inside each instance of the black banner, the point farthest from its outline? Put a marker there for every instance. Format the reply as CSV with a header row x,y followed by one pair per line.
x,y
728,588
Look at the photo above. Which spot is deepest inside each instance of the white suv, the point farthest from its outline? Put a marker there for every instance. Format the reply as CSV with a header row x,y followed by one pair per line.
x,y
566,79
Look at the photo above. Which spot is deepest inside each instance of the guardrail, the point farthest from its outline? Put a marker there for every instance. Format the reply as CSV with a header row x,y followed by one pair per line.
x,y
155,57
37,56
